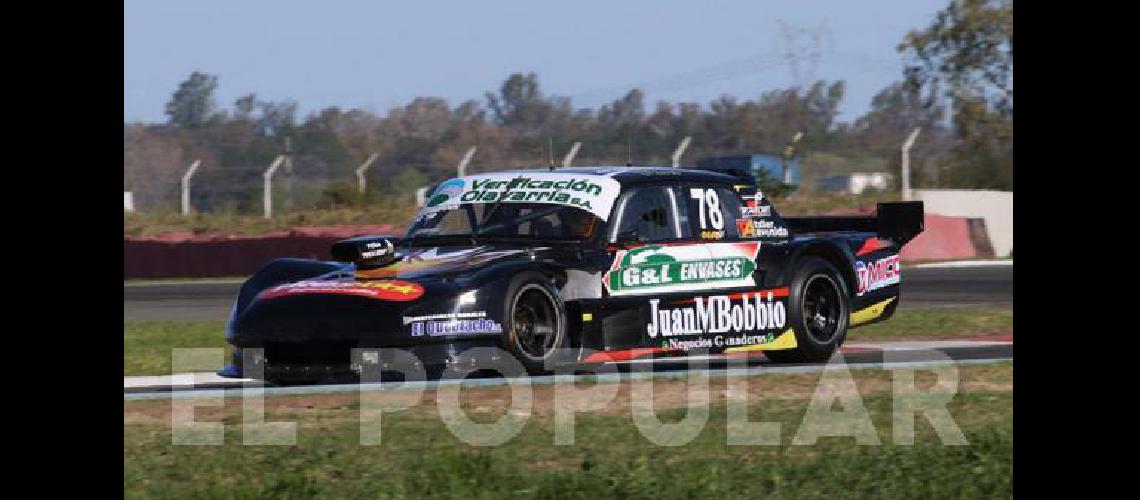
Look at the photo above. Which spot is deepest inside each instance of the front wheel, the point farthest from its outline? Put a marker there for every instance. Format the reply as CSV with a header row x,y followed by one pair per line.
x,y
819,310
535,329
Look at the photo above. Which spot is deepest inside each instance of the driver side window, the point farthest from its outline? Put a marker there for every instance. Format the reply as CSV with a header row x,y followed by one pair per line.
x,y
649,212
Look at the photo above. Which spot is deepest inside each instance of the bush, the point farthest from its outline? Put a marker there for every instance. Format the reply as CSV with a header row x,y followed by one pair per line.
x,y
338,194
772,187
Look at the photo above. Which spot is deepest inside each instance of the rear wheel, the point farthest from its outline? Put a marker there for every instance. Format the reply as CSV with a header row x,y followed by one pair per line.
x,y
819,311
535,329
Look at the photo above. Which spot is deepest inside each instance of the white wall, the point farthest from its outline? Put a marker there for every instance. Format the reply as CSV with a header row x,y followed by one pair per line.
x,y
996,207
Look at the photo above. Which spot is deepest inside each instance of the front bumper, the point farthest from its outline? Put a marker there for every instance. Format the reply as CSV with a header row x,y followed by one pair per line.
x,y
312,336
320,361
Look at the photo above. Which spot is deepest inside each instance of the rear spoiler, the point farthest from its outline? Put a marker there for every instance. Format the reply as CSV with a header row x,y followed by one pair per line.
x,y
900,221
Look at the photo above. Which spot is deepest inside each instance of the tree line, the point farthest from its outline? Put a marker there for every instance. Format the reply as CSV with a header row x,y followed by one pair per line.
x,y
957,86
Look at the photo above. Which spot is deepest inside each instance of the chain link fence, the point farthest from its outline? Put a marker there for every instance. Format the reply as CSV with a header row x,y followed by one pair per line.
x,y
301,182
310,182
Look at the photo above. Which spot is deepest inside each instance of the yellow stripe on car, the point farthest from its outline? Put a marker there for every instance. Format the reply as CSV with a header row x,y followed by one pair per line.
x,y
786,340
869,313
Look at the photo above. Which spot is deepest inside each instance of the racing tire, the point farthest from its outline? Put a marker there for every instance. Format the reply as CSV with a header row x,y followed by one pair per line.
x,y
534,323
819,309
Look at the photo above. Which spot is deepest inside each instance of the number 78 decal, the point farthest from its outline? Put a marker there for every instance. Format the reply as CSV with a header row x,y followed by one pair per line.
x,y
708,201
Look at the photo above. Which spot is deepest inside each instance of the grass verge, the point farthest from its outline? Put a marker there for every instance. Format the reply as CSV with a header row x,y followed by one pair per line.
x,y
419,456
937,323
159,222
147,344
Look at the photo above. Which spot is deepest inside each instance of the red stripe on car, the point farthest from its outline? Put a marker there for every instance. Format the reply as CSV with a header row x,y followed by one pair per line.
x,y
871,245
622,355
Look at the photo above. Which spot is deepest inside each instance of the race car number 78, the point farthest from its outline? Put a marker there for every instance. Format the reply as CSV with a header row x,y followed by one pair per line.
x,y
709,201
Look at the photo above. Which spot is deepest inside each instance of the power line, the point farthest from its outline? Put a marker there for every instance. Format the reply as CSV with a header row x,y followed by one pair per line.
x,y
803,57
803,50
726,70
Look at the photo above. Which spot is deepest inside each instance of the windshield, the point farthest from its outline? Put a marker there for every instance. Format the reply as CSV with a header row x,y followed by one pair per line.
x,y
562,205
522,220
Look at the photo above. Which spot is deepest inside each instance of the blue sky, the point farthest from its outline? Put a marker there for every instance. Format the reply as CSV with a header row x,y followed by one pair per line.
x,y
376,54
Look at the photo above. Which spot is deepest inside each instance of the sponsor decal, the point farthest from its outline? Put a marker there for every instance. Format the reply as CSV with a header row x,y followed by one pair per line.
x,y
445,316
446,191
717,322
755,211
717,314
394,290
374,249
594,194
579,192
711,234
768,229
455,327
878,274
656,269
746,228
786,340
755,200
720,341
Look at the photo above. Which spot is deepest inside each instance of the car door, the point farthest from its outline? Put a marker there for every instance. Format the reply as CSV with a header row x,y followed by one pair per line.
x,y
649,234
715,308
730,239
730,312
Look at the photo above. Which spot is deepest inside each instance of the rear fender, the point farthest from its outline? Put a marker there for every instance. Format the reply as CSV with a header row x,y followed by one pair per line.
x,y
838,255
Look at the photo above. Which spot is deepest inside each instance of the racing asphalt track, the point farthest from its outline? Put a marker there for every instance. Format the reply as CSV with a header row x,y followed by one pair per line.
x,y
973,286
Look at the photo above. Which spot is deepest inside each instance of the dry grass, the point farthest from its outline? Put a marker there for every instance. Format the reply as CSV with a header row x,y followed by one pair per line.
x,y
816,204
153,223
609,458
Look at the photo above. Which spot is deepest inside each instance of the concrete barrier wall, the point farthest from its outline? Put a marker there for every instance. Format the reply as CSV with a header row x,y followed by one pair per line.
x,y
995,207
943,238
189,256
204,259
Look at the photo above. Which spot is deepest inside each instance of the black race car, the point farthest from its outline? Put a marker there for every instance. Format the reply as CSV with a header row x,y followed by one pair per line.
x,y
576,266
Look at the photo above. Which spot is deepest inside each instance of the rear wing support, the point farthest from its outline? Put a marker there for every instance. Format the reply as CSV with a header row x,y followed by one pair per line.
x,y
899,221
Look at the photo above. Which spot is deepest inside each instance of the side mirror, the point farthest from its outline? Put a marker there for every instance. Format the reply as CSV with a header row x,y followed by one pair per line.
x,y
628,238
